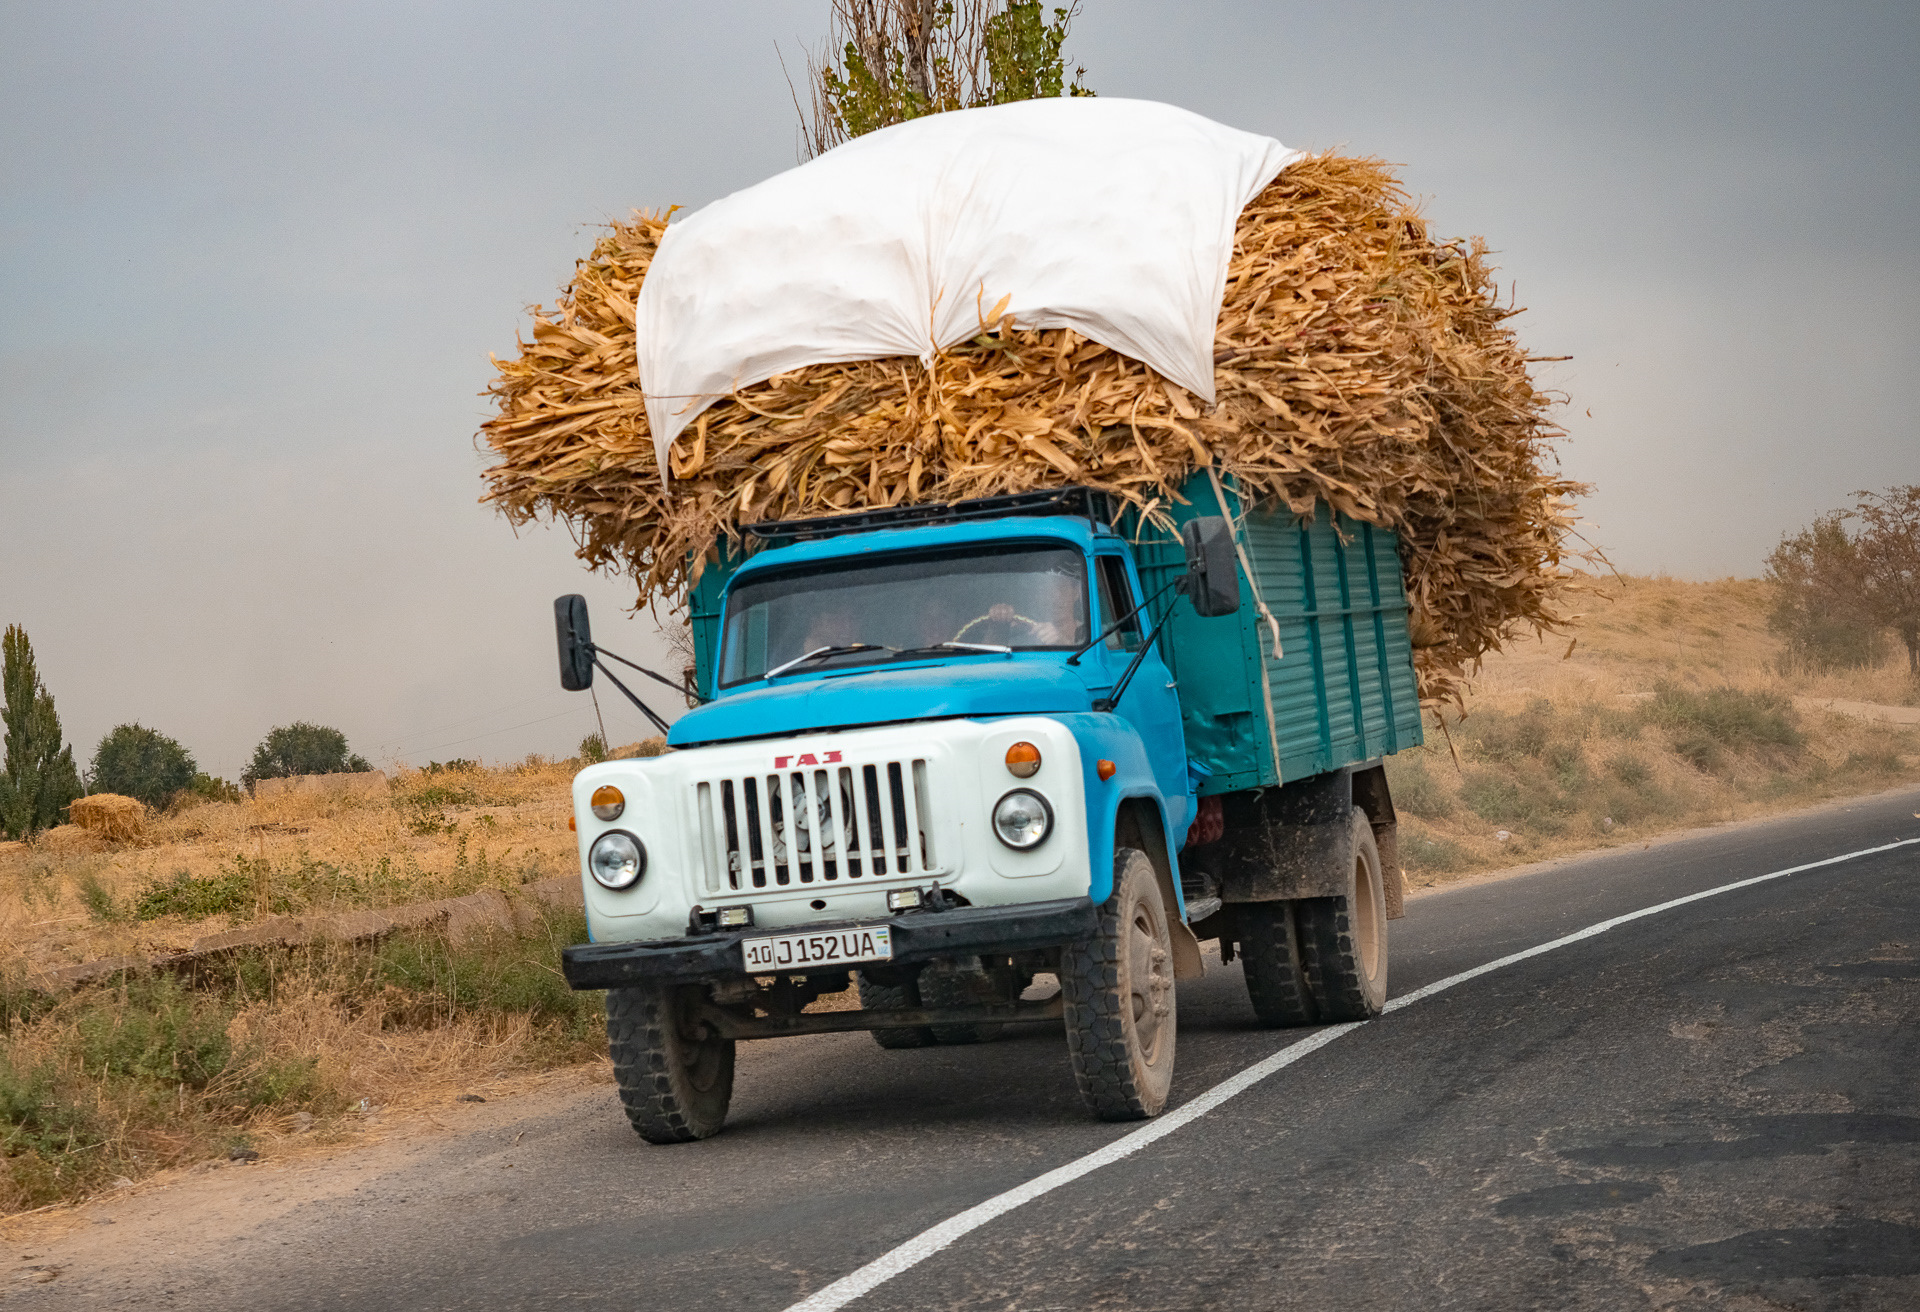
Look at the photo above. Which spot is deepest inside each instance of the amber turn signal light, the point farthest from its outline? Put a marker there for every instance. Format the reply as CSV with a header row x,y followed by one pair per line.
x,y
608,802
1105,769
573,824
1023,760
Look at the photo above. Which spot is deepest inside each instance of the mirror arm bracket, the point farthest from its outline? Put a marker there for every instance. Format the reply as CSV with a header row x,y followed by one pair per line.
x,y
599,651
645,710
1112,699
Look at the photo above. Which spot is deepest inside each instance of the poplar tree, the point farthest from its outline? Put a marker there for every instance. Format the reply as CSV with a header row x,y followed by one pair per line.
x,y
40,779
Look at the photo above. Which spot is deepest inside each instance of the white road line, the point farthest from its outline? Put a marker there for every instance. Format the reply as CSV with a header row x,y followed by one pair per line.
x,y
928,1242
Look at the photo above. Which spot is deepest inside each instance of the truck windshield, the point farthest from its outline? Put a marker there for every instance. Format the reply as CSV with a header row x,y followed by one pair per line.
x,y
1022,596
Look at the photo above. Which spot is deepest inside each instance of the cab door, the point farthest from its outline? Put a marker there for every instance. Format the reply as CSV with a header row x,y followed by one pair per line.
x,y
1151,703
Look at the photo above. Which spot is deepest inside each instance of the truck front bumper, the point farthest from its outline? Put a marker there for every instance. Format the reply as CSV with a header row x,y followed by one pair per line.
x,y
918,936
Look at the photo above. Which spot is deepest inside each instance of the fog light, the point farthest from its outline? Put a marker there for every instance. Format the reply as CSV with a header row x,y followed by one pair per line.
x,y
903,899
616,860
1023,760
1022,819
734,917
608,802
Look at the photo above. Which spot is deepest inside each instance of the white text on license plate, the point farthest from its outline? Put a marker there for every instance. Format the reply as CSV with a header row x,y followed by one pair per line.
x,y
825,947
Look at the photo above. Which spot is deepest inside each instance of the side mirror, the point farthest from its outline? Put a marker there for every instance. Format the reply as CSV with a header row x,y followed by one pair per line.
x,y
1212,584
576,642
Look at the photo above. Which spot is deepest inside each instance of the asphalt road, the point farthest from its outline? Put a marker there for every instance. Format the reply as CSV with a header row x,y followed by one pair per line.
x,y
1715,1106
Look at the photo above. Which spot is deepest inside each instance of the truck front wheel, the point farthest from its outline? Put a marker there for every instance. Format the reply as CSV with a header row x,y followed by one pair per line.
x,y
1343,940
1118,993
675,1073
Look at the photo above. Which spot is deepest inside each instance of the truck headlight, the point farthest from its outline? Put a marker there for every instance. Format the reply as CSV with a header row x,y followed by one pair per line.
x,y
1022,819
616,860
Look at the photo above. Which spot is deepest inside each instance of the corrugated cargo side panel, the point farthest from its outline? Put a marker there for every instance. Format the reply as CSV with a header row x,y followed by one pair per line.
x,y
1353,618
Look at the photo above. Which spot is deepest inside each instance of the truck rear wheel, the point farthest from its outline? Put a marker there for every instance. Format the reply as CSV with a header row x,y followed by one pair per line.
x,y
675,1073
895,997
1343,940
1118,993
1272,961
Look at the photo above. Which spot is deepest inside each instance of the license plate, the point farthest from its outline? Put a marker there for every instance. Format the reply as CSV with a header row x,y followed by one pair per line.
x,y
824,947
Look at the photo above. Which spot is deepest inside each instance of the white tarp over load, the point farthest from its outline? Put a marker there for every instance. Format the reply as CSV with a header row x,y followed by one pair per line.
x,y
1114,218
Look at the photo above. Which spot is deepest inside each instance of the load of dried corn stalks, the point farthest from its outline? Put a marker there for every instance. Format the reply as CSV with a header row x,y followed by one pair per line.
x,y
1359,363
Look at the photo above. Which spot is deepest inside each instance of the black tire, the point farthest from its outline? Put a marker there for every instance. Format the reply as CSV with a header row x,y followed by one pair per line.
x,y
891,997
1343,940
939,989
1272,962
1119,998
675,1075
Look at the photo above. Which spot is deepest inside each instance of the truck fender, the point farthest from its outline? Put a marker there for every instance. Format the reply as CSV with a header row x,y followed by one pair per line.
x,y
1370,794
1291,842
1140,824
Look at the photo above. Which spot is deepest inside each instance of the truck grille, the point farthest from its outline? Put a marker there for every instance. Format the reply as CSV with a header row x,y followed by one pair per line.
x,y
816,826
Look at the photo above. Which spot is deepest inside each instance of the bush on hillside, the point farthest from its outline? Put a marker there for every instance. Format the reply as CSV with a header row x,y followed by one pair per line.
x,y
301,748
135,761
212,788
1706,724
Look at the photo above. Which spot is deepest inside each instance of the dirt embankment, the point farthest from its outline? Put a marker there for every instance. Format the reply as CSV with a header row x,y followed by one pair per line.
x,y
1667,711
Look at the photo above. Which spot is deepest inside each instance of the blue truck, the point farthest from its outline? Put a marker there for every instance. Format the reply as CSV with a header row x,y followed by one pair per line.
x,y
943,752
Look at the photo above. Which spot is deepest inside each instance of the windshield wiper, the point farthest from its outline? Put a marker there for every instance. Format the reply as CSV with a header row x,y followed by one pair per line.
x,y
993,647
821,653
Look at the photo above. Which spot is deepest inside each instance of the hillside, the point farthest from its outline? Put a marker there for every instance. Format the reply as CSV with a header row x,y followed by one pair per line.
x,y
1666,709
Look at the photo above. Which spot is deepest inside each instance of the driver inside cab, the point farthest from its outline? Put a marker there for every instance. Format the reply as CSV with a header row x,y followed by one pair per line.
x,y
1054,616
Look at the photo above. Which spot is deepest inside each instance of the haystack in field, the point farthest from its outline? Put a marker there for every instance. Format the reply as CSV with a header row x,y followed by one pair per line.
x,y
110,816
1359,363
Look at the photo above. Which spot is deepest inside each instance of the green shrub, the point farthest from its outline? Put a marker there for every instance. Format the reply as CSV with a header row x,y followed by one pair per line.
x,y
159,1032
501,972
135,761
593,749
197,896
1430,852
1630,770
35,1118
98,898
1414,790
212,788
1511,738
48,1144
1702,723
1520,799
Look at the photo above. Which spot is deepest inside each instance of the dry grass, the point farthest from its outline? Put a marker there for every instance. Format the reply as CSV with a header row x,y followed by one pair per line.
x,y
1359,362
257,1049
1671,711
160,1070
73,896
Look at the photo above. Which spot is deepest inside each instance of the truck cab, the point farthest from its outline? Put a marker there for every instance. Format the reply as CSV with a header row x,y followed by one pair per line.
x,y
938,753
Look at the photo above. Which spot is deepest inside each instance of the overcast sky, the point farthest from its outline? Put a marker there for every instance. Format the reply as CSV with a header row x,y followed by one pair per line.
x,y
255,258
